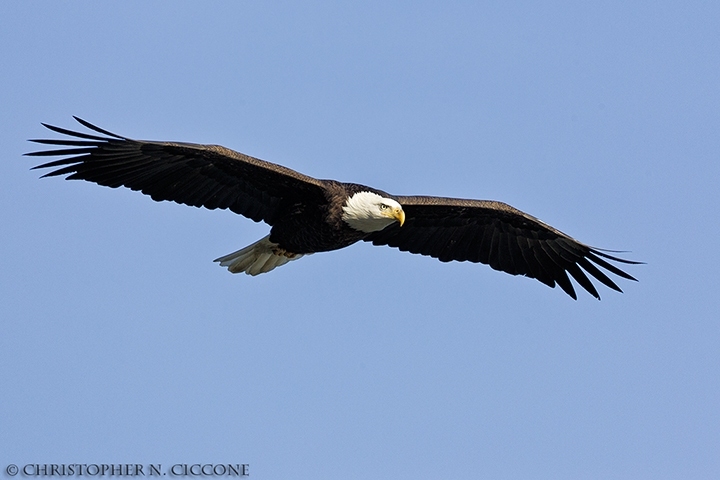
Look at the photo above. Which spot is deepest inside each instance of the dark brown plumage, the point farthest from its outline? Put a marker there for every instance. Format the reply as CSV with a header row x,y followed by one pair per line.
x,y
306,214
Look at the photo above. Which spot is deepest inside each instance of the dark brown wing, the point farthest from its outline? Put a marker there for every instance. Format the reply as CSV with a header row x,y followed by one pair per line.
x,y
207,176
501,236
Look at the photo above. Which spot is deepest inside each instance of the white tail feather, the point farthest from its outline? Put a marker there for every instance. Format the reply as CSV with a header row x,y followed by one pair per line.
x,y
260,257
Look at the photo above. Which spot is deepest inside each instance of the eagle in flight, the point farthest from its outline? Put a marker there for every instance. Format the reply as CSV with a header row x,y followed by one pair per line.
x,y
307,215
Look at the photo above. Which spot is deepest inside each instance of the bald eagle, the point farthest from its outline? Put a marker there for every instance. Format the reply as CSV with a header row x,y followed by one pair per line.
x,y
308,215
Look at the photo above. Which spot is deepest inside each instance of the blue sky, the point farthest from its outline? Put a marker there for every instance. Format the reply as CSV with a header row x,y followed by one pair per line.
x,y
122,341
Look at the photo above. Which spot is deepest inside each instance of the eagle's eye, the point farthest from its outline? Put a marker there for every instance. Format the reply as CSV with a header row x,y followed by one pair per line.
x,y
383,206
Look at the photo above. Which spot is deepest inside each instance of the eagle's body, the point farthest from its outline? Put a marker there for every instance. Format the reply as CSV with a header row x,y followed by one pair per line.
x,y
303,227
308,215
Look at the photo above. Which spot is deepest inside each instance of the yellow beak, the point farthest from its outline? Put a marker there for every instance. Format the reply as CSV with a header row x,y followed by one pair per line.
x,y
399,215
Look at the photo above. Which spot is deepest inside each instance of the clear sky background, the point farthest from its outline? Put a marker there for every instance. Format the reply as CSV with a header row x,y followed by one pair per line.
x,y
121,340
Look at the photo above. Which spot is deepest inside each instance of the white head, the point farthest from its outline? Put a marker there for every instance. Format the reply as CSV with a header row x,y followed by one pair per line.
x,y
369,212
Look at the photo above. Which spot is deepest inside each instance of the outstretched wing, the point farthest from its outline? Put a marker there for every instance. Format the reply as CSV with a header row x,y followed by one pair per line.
x,y
207,176
501,236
